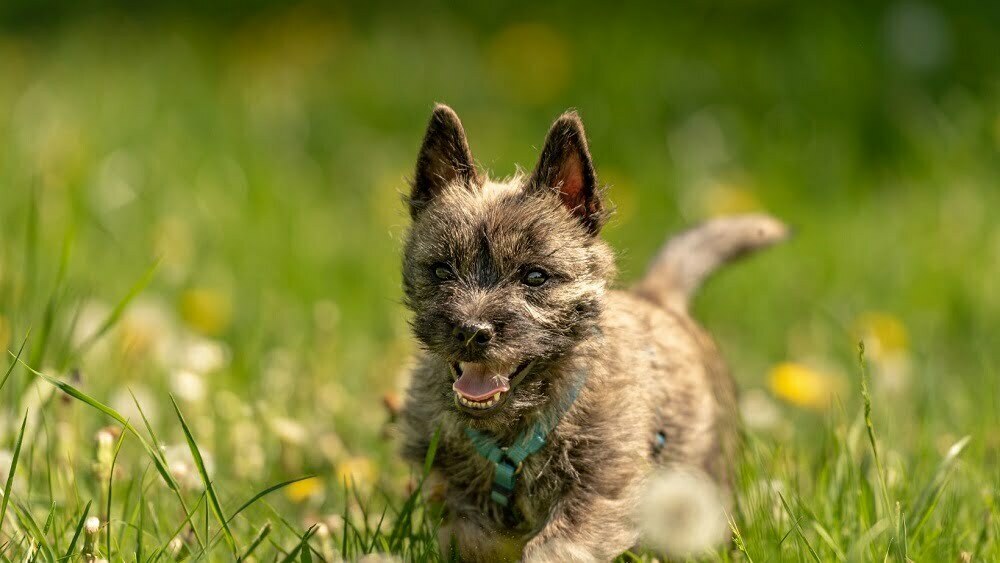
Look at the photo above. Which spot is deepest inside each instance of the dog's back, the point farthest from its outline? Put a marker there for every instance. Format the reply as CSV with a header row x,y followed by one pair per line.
x,y
694,403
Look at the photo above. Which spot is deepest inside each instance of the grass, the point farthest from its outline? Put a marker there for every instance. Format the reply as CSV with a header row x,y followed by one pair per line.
x,y
199,235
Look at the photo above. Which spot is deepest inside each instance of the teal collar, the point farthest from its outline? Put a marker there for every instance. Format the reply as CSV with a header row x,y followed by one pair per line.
x,y
507,461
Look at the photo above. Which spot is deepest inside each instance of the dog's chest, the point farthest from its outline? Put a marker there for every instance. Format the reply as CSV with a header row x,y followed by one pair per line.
x,y
469,480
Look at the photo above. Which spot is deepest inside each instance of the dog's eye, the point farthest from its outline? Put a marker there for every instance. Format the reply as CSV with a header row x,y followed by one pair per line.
x,y
443,272
534,278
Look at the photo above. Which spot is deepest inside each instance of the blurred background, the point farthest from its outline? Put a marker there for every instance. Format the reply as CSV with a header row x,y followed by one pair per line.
x,y
257,153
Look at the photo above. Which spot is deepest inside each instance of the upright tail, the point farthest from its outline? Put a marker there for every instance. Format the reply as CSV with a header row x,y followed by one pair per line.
x,y
689,258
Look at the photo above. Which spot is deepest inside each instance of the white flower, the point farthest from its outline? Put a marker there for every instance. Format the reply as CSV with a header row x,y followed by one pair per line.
x,y
91,525
148,327
682,513
187,385
202,355
181,465
758,410
289,430
175,546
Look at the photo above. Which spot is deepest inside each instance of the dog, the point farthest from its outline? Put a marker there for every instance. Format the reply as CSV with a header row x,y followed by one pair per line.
x,y
553,395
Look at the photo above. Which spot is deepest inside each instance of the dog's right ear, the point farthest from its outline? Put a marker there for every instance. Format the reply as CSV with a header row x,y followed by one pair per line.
x,y
444,159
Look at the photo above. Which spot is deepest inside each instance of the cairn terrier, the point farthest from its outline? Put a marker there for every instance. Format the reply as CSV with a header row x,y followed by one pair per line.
x,y
554,395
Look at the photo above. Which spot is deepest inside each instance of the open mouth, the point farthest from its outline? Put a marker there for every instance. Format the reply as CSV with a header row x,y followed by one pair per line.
x,y
479,388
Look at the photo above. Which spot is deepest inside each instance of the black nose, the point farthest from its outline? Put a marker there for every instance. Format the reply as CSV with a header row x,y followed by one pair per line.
x,y
473,335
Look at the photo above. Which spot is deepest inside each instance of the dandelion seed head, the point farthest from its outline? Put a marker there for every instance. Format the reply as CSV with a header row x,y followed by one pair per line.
x,y
92,525
682,513
759,411
187,385
202,355
288,430
175,546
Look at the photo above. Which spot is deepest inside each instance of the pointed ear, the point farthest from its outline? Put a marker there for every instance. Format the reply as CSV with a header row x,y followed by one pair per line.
x,y
444,158
565,165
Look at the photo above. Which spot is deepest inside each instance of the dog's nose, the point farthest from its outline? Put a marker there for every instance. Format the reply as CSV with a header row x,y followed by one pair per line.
x,y
473,335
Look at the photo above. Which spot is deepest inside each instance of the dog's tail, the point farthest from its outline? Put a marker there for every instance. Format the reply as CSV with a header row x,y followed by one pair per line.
x,y
689,258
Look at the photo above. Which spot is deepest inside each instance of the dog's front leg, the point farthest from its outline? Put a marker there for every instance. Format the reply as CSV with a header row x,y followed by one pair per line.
x,y
586,526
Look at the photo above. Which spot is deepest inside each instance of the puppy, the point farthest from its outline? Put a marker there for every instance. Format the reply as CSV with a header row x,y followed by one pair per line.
x,y
555,396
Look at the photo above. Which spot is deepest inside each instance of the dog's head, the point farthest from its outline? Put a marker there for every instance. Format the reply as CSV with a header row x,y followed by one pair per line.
x,y
503,278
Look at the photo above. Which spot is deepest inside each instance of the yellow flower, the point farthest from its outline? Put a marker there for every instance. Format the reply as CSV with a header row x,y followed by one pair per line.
x,y
302,490
208,311
803,386
356,471
883,334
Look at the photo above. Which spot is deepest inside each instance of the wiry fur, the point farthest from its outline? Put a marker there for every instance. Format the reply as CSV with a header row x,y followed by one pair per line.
x,y
649,367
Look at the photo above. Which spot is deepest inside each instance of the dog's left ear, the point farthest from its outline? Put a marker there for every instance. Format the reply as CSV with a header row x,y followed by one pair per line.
x,y
565,166
444,159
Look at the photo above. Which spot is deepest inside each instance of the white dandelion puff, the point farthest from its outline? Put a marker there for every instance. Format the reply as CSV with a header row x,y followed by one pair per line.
x,y
202,355
187,385
682,513
175,546
288,430
759,411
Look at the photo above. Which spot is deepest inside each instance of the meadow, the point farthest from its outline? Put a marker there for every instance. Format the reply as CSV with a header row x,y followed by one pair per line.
x,y
201,218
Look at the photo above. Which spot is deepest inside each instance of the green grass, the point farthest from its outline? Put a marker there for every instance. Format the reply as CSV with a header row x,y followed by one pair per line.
x,y
210,210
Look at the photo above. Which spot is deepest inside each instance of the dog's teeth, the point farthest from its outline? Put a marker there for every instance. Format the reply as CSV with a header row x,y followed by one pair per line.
x,y
484,404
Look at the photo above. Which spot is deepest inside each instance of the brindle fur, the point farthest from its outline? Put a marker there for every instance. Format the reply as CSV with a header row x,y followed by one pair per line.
x,y
648,366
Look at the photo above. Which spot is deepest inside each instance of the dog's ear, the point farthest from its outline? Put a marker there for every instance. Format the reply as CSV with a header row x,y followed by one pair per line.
x,y
444,159
565,166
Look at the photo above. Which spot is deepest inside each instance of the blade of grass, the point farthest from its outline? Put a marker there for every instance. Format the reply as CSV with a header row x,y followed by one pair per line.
x,y
798,529
248,504
258,539
111,480
264,493
867,397
13,470
149,430
932,491
48,317
212,496
156,555
142,515
158,462
303,543
76,534
14,363
378,529
28,522
738,540
403,523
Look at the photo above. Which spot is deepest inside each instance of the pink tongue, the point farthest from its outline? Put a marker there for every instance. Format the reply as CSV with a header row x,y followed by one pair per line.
x,y
478,383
